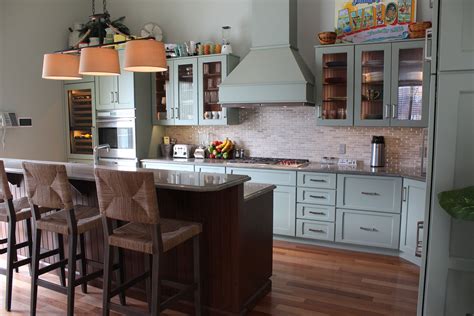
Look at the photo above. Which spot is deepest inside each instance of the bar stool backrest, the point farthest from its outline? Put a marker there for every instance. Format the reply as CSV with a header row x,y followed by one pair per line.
x,y
47,185
5,193
127,196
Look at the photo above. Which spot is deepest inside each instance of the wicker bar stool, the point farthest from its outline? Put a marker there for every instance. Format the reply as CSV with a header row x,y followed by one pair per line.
x,y
47,185
12,212
131,197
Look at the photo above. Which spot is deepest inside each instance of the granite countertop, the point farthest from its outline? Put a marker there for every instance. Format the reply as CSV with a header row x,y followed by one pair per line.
x,y
410,173
175,180
253,190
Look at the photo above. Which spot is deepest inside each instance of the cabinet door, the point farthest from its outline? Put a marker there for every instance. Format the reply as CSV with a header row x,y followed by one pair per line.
x,y
335,86
284,211
105,86
163,111
413,212
168,166
212,71
456,35
209,169
410,85
125,89
185,83
372,85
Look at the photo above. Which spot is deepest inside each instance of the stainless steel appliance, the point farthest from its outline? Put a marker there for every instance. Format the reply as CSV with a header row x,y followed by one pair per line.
x,y
118,129
182,151
377,158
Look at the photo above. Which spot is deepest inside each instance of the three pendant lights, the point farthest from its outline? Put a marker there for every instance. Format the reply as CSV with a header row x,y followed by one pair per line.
x,y
141,55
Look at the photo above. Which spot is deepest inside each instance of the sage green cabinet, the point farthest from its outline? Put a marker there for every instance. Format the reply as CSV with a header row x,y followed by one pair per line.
x,y
335,85
368,228
369,193
413,213
185,91
315,230
116,92
456,35
317,180
163,108
316,196
168,166
209,169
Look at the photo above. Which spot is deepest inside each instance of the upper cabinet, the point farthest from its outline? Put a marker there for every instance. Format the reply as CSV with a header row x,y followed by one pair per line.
x,y
188,93
116,92
335,84
456,35
385,84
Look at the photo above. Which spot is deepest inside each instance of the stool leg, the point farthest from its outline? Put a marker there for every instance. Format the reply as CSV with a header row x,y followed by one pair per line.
x,y
29,238
148,264
35,267
108,270
155,286
62,269
197,276
71,271
121,275
11,258
83,262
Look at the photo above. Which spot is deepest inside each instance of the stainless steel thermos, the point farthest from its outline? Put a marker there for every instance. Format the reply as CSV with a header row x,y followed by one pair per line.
x,y
378,152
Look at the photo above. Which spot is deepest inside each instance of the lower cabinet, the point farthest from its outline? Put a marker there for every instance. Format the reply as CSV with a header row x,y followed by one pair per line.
x,y
315,230
168,166
209,169
374,229
413,214
284,210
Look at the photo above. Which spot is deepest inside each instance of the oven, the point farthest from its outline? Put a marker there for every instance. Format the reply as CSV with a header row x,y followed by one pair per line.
x,y
117,128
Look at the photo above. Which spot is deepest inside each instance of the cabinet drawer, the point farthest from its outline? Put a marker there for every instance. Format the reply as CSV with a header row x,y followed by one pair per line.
x,y
381,194
316,196
315,230
169,166
276,177
317,180
209,169
368,228
316,212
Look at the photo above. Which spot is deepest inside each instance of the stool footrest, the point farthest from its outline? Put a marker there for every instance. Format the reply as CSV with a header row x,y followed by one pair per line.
x,y
89,277
3,241
129,284
49,253
126,310
52,267
184,289
94,264
22,245
21,263
52,286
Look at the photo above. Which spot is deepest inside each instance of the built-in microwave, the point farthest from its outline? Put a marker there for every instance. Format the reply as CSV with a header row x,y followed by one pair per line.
x,y
118,129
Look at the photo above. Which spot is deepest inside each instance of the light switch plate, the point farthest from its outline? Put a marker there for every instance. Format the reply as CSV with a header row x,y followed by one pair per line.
x,y
342,149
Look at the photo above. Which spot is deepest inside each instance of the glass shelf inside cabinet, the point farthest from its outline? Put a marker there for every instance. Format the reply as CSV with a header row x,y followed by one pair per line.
x,y
410,84
80,121
373,69
212,77
162,88
334,93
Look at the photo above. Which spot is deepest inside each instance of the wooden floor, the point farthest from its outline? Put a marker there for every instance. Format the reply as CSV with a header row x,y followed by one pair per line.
x,y
307,280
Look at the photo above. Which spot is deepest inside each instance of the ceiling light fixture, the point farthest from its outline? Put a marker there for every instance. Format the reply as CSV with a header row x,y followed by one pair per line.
x,y
141,55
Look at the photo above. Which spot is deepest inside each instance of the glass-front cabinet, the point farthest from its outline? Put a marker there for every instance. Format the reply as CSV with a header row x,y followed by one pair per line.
x,y
410,85
335,84
185,91
163,111
372,85
80,123
384,84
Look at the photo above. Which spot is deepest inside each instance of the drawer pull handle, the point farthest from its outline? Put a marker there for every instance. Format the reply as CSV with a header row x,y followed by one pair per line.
x,y
370,193
320,231
318,180
369,229
317,213
317,197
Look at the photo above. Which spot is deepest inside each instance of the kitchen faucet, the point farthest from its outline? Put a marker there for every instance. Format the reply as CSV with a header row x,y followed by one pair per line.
x,y
97,150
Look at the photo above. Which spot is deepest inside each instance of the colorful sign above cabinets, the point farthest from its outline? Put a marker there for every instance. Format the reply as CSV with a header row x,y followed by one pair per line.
x,y
361,21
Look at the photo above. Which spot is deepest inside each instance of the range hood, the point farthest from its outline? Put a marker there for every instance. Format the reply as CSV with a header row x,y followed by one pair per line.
x,y
273,73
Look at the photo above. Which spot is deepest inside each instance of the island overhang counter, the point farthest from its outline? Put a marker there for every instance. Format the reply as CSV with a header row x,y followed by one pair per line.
x,y
236,242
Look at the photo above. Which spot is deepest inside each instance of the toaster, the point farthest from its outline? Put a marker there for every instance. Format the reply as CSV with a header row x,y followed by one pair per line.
x,y
182,151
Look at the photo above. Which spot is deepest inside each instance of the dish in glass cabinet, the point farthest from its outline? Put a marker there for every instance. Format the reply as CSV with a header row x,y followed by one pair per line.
x,y
335,64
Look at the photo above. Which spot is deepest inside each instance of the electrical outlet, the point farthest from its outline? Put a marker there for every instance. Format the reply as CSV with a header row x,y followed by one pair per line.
x,y
342,149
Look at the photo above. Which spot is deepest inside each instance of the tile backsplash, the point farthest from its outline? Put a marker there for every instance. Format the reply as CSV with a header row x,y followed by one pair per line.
x,y
292,133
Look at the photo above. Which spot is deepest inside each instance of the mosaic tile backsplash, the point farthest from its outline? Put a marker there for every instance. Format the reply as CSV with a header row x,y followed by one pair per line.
x,y
292,133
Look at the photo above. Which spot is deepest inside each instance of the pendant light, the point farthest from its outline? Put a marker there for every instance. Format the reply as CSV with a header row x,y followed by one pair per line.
x,y
61,67
97,61
145,55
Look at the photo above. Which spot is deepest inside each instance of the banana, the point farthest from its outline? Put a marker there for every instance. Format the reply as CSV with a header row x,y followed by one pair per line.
x,y
223,144
228,147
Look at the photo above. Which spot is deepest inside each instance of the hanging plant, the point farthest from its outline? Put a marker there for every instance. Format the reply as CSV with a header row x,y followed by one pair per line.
x,y
96,28
458,203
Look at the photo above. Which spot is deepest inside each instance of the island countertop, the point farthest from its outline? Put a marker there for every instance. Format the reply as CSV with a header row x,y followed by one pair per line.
x,y
164,179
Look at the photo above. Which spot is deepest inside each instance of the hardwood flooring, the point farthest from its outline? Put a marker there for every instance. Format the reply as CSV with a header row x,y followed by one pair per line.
x,y
307,280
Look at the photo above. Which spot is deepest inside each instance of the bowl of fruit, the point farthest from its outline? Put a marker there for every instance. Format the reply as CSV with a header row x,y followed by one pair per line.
x,y
221,150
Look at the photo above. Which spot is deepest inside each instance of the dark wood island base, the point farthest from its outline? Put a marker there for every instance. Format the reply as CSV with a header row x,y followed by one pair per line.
x,y
236,242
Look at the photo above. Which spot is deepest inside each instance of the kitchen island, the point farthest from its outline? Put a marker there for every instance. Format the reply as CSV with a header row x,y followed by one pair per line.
x,y
236,243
